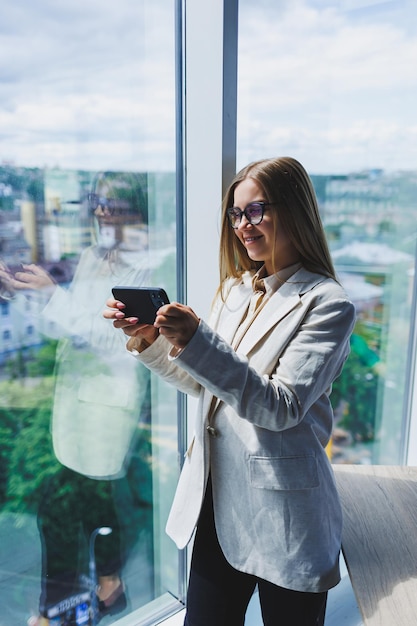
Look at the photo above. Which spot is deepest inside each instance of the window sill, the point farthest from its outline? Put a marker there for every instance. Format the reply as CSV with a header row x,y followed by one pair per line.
x,y
165,610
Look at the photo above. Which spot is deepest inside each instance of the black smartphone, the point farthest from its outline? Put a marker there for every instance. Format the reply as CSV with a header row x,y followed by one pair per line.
x,y
141,302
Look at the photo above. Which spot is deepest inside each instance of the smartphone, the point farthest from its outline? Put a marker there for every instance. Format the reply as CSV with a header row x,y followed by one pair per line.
x,y
141,302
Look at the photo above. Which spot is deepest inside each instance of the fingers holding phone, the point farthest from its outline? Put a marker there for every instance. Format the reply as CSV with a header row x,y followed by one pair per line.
x,y
177,322
115,311
145,312
133,309
141,302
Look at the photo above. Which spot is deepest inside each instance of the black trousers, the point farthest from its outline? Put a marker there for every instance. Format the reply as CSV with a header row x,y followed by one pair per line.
x,y
218,594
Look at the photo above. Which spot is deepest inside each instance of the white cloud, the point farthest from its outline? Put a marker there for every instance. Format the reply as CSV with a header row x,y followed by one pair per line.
x,y
88,84
91,83
343,81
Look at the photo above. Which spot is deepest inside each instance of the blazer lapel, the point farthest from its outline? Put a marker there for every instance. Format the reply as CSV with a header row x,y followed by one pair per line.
x,y
282,302
227,317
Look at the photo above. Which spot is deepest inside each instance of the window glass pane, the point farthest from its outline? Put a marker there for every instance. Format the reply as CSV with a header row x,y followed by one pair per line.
x,y
88,439
331,83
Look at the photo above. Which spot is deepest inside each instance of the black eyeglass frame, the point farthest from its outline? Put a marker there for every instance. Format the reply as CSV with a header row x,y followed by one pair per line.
x,y
111,205
235,214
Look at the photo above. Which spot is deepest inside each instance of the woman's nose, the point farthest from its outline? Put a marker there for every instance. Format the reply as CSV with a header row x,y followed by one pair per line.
x,y
102,209
244,223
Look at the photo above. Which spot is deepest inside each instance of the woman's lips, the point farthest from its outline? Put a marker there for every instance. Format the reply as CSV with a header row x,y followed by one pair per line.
x,y
249,240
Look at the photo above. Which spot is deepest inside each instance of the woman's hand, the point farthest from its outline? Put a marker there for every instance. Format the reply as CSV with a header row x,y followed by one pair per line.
x,y
33,277
174,321
177,323
6,278
131,326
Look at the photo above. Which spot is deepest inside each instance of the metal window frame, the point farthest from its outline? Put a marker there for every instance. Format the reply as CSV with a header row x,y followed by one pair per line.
x,y
210,122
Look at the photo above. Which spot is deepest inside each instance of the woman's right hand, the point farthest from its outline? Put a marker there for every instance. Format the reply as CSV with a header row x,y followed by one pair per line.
x,y
131,326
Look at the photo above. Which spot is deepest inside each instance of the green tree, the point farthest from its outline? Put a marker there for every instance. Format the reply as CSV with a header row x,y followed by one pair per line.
x,y
27,455
7,435
357,386
44,364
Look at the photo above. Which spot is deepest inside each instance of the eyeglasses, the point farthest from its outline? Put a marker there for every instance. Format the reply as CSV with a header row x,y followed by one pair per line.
x,y
254,213
110,206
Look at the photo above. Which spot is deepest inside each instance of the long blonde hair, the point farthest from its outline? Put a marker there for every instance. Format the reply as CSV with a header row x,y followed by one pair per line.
x,y
285,183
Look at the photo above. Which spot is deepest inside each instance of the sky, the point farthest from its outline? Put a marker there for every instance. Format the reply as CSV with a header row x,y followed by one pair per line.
x,y
91,84
87,84
331,82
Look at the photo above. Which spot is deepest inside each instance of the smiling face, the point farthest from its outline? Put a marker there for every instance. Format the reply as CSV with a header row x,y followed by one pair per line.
x,y
112,207
115,206
261,241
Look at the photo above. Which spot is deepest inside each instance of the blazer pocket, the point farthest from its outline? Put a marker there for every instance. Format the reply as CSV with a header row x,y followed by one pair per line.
x,y
106,390
283,473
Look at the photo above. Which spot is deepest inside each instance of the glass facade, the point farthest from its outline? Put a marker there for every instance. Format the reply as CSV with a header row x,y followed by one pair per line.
x,y
88,439
331,83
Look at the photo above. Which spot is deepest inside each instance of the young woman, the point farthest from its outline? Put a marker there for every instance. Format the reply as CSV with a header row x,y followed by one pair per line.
x,y
256,481
100,415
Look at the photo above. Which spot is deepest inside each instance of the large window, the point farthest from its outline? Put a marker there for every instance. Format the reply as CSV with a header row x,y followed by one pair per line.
x,y
332,83
88,439
88,199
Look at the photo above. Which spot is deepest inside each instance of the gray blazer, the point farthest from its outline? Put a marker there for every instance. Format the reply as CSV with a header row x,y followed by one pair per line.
x,y
276,508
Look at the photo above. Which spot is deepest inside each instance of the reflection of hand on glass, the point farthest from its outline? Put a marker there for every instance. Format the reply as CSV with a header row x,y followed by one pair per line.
x,y
33,277
6,277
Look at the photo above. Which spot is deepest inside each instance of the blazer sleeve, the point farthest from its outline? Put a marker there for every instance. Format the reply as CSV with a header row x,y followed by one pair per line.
x,y
156,359
311,358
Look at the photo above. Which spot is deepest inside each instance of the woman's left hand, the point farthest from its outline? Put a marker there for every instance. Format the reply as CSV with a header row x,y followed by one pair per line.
x,y
177,323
